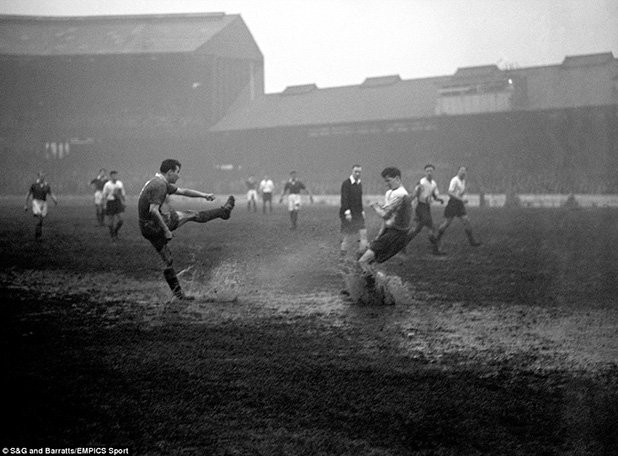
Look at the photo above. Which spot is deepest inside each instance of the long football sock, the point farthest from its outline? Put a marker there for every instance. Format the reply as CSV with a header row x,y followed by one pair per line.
x,y
118,225
227,207
473,242
223,212
172,281
294,217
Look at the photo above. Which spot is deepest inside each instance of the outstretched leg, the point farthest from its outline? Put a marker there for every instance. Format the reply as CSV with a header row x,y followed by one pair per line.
x,y
366,264
294,219
468,228
38,227
443,227
441,230
111,219
412,232
117,225
100,214
207,215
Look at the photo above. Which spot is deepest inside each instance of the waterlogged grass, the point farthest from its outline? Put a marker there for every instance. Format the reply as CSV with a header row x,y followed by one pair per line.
x,y
508,348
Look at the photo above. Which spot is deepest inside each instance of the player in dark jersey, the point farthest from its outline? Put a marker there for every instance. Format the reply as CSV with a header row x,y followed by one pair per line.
x,y
352,214
157,225
39,191
293,188
98,183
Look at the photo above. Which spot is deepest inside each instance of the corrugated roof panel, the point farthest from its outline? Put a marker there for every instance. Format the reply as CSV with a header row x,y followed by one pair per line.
x,y
44,36
299,89
587,60
477,71
381,81
407,99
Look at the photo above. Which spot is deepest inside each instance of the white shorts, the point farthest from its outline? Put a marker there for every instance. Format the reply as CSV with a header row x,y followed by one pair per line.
x,y
98,197
39,207
252,195
293,202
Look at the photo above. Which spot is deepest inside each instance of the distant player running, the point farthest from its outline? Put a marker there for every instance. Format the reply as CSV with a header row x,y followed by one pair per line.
x,y
456,207
98,183
157,226
252,194
293,188
39,191
267,187
114,196
426,191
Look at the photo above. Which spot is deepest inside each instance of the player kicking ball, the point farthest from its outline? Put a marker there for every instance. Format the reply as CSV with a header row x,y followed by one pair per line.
x,y
395,213
157,226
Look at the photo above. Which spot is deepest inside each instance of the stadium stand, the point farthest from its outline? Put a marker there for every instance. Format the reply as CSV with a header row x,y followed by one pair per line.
x,y
125,91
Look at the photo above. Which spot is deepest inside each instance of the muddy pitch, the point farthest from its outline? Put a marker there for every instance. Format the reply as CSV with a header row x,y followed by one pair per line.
x,y
509,348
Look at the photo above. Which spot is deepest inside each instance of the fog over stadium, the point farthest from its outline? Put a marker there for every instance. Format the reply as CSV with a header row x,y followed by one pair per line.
x,y
234,88
344,41
254,331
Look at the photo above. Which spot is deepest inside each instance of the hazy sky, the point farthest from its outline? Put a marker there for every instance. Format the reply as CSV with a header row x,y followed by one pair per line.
x,y
341,42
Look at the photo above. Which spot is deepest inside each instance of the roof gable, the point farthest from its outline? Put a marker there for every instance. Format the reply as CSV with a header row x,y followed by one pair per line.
x,y
381,81
51,36
299,89
574,61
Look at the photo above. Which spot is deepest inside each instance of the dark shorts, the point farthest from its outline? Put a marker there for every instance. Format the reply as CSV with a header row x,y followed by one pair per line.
x,y
114,207
152,231
267,197
388,244
454,208
423,215
353,226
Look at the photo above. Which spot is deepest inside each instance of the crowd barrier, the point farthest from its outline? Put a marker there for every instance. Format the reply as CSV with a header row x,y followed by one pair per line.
x,y
474,200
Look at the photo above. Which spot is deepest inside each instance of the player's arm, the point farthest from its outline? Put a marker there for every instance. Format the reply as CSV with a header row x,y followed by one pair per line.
x,y
283,193
28,198
194,194
382,211
156,215
53,197
454,195
436,195
122,194
381,230
452,191
345,201
387,210
306,190
106,191
415,194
